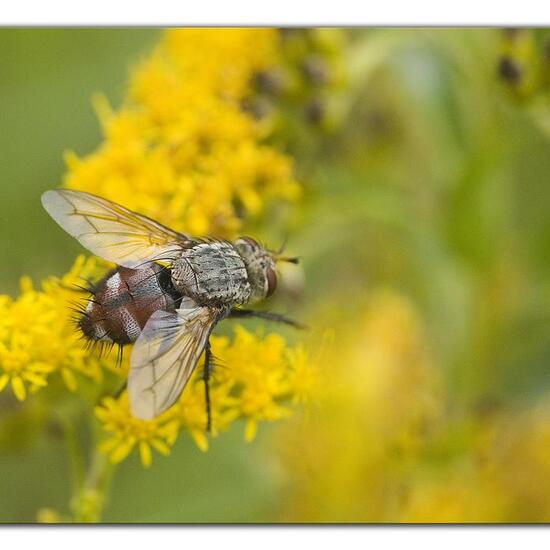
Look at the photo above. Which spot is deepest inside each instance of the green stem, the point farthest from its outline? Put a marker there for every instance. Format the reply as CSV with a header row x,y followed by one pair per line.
x,y
89,502
90,497
75,454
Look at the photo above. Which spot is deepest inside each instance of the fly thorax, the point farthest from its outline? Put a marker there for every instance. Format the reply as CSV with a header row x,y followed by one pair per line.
x,y
212,273
260,267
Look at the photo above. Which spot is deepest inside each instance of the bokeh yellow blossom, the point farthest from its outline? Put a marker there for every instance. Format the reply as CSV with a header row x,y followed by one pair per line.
x,y
378,400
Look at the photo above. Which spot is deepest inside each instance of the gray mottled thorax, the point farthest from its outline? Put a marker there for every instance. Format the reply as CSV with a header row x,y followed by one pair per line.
x,y
212,273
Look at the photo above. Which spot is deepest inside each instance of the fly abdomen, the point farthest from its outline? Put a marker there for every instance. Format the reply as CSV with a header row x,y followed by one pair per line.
x,y
123,301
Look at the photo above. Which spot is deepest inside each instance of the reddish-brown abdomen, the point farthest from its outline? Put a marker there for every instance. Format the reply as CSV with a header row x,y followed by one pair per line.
x,y
122,303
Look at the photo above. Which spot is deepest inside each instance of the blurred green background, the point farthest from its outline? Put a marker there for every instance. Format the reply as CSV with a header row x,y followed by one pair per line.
x,y
430,178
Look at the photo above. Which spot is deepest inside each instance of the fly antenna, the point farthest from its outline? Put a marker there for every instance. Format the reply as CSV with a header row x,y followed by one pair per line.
x,y
283,246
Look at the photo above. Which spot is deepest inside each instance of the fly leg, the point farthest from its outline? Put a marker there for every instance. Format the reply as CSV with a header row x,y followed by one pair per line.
x,y
206,377
267,315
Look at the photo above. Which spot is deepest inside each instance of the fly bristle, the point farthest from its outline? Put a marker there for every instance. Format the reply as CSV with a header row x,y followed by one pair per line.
x,y
81,288
104,348
89,343
78,304
215,364
89,282
92,286
119,355
74,320
79,311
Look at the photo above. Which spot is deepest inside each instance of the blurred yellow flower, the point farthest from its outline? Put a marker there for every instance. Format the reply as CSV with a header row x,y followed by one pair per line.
x,y
49,515
410,454
379,398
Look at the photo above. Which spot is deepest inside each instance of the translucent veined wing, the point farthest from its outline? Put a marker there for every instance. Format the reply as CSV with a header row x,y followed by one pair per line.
x,y
165,355
112,231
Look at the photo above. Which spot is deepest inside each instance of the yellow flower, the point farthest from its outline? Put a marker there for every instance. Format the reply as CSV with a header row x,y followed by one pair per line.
x,y
37,337
181,149
128,432
49,515
254,376
303,376
258,371
379,400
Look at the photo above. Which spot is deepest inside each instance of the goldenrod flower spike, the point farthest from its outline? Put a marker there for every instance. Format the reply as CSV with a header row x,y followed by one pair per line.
x,y
181,150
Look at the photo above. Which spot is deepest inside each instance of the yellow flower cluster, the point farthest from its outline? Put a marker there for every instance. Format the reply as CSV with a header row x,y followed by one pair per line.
x,y
37,337
388,444
253,379
378,402
498,477
181,149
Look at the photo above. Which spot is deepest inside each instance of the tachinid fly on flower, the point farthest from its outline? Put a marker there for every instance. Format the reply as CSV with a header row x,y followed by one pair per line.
x,y
166,295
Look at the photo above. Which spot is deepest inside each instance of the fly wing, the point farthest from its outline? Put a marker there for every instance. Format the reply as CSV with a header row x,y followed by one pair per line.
x,y
164,357
111,231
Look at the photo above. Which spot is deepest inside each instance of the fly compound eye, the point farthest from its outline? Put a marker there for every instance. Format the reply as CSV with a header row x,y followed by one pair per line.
x,y
271,276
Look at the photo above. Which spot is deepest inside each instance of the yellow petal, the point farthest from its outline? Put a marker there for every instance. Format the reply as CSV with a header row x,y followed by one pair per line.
x,y
170,431
121,452
18,388
250,430
108,445
101,412
145,454
200,439
41,367
69,379
25,284
160,446
4,379
35,379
